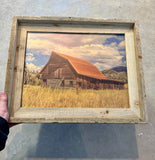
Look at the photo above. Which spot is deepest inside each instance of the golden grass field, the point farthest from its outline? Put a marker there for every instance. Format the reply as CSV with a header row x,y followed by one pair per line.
x,y
36,96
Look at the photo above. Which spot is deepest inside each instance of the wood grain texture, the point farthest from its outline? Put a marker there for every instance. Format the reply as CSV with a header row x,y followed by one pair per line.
x,y
141,81
11,59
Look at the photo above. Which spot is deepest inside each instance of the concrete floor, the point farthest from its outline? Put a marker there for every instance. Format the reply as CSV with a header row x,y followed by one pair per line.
x,y
84,141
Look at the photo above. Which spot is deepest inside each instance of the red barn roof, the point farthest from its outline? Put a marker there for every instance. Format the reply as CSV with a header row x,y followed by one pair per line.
x,y
83,67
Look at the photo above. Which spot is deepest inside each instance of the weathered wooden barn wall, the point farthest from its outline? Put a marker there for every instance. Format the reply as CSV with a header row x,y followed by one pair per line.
x,y
60,73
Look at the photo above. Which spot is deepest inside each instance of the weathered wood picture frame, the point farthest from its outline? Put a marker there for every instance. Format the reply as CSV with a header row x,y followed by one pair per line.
x,y
136,113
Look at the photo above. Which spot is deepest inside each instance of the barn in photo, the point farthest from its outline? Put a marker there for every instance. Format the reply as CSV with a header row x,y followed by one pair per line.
x,y
63,71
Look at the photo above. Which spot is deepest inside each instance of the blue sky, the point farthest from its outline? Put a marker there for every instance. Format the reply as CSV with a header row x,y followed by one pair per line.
x,y
103,50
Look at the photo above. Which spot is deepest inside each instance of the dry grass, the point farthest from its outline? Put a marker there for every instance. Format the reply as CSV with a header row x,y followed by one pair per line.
x,y
36,96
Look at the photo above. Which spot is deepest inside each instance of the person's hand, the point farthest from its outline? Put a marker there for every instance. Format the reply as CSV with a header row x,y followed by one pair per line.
x,y
3,108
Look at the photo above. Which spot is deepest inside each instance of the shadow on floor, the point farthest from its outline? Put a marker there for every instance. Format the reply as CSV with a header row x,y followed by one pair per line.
x,y
86,141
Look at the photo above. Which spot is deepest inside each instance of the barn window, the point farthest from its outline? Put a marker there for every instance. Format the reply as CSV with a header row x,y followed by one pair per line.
x,y
80,84
58,73
44,82
71,83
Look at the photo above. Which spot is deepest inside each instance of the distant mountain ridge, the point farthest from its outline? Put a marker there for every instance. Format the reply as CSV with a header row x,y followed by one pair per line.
x,y
120,69
117,73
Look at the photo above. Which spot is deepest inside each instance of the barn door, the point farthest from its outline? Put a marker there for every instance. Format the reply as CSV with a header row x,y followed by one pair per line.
x,y
59,73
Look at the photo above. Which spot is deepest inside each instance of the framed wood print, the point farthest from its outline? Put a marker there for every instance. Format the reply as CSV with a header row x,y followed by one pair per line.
x,y
75,70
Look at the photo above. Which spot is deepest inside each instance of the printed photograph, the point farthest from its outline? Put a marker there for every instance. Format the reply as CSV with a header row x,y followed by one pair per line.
x,y
75,71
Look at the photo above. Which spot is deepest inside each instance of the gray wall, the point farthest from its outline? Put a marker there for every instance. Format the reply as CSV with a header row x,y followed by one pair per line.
x,y
84,141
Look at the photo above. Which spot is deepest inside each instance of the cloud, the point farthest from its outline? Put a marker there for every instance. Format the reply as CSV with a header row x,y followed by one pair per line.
x,y
121,45
113,44
98,54
29,54
37,46
88,47
32,67
30,57
50,40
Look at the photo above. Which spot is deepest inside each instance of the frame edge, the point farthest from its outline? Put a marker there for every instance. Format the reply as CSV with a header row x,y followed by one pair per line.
x,y
140,72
